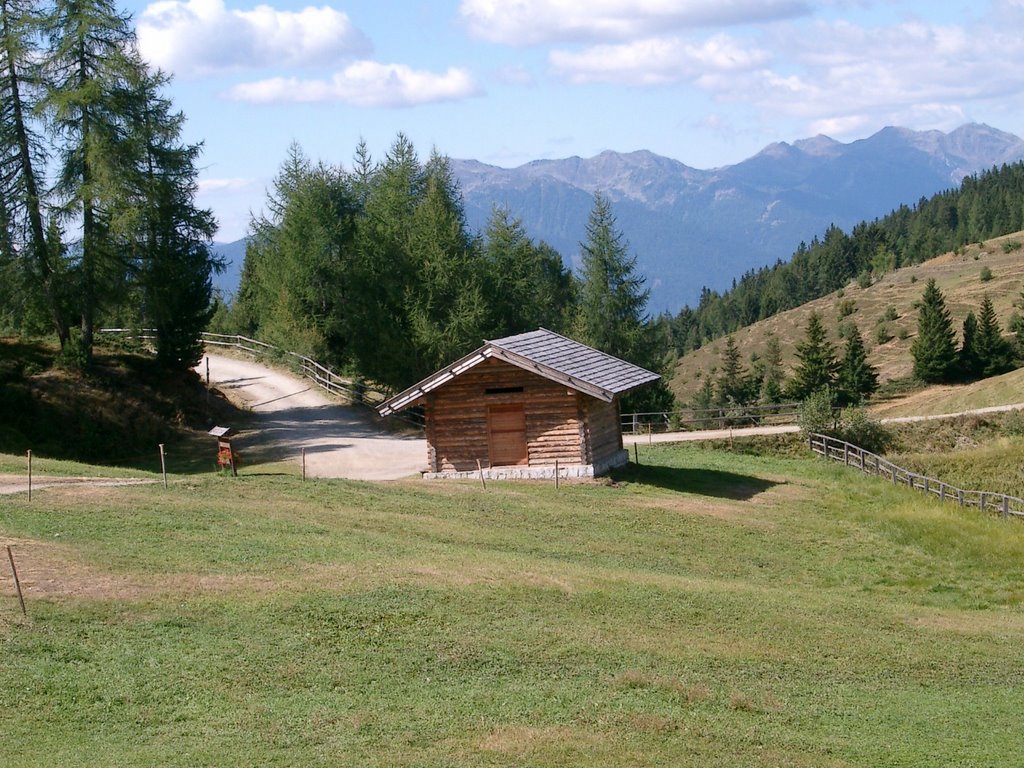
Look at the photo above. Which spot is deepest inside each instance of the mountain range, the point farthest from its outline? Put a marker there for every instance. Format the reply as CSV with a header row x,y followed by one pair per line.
x,y
692,228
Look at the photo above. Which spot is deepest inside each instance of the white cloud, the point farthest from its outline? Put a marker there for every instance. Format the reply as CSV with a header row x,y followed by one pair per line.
x,y
530,22
197,37
841,77
212,186
363,84
658,60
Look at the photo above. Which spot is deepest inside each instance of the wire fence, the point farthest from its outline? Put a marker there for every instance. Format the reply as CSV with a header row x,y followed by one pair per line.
x,y
692,419
873,464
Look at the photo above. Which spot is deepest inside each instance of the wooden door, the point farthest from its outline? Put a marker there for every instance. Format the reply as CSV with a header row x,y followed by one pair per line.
x,y
506,435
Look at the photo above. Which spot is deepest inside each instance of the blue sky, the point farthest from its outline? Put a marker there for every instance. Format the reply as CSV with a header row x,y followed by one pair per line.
x,y
706,82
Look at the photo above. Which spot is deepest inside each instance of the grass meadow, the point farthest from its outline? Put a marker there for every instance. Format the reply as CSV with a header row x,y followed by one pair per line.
x,y
705,608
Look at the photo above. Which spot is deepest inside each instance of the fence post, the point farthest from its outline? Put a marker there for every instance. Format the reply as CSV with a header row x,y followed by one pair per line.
x,y
942,491
983,495
960,496
1006,507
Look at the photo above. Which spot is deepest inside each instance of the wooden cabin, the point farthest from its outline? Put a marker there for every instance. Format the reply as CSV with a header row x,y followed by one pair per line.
x,y
520,404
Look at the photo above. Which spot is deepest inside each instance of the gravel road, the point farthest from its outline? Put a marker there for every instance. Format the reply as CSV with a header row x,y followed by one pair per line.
x,y
293,413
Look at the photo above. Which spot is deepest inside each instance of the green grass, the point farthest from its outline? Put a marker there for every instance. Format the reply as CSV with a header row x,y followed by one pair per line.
x,y
706,608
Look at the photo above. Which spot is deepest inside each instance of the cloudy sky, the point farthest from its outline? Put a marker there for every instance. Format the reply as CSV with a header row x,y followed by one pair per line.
x,y
707,82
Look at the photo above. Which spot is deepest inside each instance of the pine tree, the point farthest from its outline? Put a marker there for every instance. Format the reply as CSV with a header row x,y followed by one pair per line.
x,y
527,286
818,365
731,384
934,350
771,371
613,301
970,366
994,353
857,378
170,235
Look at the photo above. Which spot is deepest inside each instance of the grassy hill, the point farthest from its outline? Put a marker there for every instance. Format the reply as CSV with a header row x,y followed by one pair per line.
x,y
115,413
894,295
707,608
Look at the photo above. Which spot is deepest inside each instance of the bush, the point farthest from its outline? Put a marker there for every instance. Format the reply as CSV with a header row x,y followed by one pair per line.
x,y
1011,245
858,428
864,280
817,413
847,307
882,334
902,334
986,274
890,314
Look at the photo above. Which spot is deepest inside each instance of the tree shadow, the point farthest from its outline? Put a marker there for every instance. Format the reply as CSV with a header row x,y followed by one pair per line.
x,y
706,482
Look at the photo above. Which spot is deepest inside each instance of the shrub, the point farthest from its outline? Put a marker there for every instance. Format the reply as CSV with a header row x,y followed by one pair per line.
x,y
864,280
846,328
817,413
847,307
1011,245
913,278
902,334
857,427
986,274
882,334
890,314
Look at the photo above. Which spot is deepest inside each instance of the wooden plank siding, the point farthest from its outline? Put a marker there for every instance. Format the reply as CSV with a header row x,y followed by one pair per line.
x,y
458,433
603,432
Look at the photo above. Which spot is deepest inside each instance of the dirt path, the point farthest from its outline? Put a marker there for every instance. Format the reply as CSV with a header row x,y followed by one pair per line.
x,y
725,434
292,414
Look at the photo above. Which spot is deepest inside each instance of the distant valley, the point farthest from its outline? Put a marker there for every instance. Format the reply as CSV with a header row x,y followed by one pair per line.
x,y
692,228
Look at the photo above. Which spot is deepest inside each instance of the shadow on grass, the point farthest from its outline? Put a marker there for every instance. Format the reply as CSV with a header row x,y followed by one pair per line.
x,y
706,482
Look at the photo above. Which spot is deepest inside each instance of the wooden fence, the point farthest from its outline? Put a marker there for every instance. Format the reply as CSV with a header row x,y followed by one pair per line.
x,y
320,375
710,418
872,464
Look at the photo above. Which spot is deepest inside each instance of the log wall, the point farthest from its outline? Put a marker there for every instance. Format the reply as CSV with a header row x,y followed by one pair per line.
x,y
603,429
457,427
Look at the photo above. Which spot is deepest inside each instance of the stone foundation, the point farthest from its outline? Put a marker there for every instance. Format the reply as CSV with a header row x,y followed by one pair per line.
x,y
572,471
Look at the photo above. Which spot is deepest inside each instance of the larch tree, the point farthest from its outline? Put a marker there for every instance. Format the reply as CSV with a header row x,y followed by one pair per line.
x,y
22,158
90,66
613,301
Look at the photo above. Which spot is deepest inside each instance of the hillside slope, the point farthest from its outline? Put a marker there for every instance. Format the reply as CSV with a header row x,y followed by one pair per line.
x,y
957,275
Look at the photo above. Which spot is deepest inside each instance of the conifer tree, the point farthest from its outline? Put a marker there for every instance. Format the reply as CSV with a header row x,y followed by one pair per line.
x,y
731,384
818,364
970,366
90,65
771,371
613,300
22,156
994,353
934,349
857,378
170,236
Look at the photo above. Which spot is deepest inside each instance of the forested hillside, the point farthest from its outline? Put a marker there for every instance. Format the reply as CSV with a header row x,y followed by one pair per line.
x,y
97,216
375,271
985,206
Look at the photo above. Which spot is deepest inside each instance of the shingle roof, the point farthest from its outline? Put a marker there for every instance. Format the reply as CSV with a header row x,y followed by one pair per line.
x,y
546,354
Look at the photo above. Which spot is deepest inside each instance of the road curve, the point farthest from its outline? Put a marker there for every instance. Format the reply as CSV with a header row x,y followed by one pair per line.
x,y
293,413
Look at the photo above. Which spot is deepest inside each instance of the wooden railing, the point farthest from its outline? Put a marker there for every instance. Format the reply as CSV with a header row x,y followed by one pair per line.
x,y
710,418
319,374
873,464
